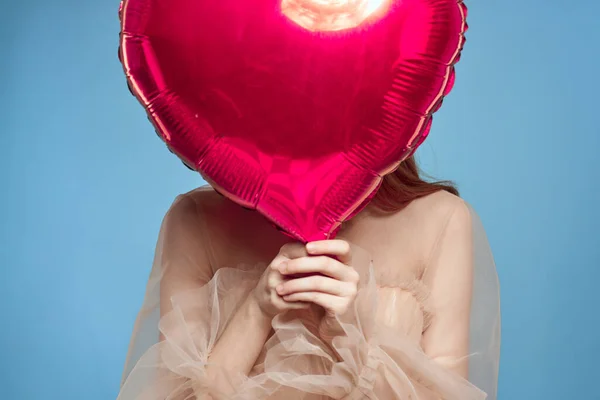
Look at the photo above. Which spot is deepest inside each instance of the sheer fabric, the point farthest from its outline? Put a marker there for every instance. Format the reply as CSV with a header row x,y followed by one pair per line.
x,y
425,323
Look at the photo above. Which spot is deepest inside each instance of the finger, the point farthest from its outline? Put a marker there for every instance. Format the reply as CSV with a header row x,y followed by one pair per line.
x,y
325,300
319,264
293,250
334,247
287,252
315,283
296,304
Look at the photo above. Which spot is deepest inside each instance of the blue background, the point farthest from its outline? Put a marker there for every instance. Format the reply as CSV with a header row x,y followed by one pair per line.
x,y
85,183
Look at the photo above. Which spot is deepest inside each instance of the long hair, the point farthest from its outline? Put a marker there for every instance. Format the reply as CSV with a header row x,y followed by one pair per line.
x,y
406,184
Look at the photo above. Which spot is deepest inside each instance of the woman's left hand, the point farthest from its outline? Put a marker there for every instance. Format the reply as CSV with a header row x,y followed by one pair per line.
x,y
332,283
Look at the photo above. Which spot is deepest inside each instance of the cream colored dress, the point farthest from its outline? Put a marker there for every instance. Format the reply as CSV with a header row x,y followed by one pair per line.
x,y
425,323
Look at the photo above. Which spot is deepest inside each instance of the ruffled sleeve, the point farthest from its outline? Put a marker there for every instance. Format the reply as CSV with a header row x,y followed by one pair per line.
x,y
185,310
175,367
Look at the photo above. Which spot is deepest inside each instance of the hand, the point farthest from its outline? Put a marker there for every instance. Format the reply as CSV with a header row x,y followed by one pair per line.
x,y
265,294
331,282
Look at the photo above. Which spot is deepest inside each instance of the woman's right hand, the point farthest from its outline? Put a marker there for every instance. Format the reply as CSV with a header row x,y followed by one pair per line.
x,y
265,293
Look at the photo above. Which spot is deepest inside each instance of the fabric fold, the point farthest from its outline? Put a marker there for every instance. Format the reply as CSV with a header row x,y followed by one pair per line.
x,y
376,350
176,367
361,360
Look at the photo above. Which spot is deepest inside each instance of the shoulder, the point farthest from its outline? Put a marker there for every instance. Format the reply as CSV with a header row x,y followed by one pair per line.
x,y
429,220
201,197
450,234
442,210
186,214
233,232
205,208
198,203
215,209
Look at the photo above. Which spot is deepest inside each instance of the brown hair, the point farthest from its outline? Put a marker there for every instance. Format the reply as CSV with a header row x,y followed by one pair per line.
x,y
406,184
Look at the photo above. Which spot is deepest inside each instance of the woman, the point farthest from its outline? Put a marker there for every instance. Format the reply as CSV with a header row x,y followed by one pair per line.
x,y
403,304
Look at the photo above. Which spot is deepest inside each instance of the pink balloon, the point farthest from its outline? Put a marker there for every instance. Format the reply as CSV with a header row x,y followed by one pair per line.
x,y
295,108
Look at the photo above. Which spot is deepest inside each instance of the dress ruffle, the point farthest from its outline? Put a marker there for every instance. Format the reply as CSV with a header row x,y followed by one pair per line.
x,y
347,357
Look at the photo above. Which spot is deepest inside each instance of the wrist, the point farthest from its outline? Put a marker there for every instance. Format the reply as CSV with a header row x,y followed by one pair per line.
x,y
255,312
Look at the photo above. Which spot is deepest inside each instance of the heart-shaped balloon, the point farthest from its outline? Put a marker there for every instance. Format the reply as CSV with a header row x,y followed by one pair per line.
x,y
295,108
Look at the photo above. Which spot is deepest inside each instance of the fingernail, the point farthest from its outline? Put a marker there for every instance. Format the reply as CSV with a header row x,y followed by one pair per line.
x,y
311,246
279,288
283,267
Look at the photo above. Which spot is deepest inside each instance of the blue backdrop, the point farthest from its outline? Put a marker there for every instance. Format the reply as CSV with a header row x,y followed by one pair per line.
x,y
85,183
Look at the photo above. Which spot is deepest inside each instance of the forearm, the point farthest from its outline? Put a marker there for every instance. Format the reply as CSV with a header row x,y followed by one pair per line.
x,y
240,343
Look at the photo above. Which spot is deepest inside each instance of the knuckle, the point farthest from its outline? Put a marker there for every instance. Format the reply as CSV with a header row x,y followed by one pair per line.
x,y
276,302
345,247
342,307
329,265
316,282
290,265
276,261
322,282
288,247
272,281
353,290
